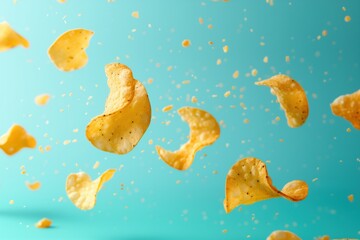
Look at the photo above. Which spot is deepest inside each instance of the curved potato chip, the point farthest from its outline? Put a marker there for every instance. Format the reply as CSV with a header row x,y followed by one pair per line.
x,y
15,139
10,39
33,186
348,107
248,182
68,51
82,191
282,235
291,96
42,99
127,113
204,130
43,223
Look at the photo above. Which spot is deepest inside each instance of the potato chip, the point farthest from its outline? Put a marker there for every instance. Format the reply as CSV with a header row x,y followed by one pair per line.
x,y
291,96
82,191
33,186
10,39
348,107
43,223
68,51
15,139
282,235
42,99
127,113
248,182
204,130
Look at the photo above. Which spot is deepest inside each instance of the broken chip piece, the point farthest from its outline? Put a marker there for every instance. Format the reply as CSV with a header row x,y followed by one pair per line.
x,y
10,39
248,182
204,130
42,99
15,139
127,113
282,235
33,186
291,96
43,223
68,51
348,107
82,191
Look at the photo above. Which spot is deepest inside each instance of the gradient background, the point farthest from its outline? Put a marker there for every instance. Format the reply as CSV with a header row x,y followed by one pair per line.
x,y
151,205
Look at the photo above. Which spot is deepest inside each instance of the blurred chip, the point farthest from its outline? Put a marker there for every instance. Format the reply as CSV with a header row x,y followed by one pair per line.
x,y
248,182
42,99
348,107
127,113
282,235
291,96
15,139
43,223
33,186
204,130
10,39
82,191
68,51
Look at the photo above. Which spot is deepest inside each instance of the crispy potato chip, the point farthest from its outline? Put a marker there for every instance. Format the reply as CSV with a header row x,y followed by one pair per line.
x,y
43,223
42,99
204,130
248,182
127,113
10,39
291,96
33,186
15,139
348,107
68,51
282,235
82,191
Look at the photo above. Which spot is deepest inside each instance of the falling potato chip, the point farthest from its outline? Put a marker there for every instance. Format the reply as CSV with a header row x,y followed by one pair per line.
x,y
15,139
248,182
348,107
282,235
68,51
43,223
127,113
10,39
82,191
42,99
204,130
33,186
291,96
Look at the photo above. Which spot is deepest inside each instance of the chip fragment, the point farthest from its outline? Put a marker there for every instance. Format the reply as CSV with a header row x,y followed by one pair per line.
x,y
291,96
42,99
33,186
348,107
282,235
248,182
204,131
68,51
127,113
82,191
43,223
10,39
15,139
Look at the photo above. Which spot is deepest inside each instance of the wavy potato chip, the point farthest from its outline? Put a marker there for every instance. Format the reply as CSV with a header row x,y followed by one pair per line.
x,y
248,182
82,191
33,186
127,113
282,235
10,39
291,96
43,223
15,139
348,107
204,130
68,51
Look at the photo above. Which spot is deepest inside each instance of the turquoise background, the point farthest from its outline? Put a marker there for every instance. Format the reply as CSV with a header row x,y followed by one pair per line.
x,y
152,206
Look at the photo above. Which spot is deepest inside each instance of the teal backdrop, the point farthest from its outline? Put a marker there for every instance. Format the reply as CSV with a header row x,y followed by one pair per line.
x,y
146,199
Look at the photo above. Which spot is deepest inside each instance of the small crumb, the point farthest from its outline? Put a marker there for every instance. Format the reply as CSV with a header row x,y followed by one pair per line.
x,y
348,130
210,26
235,74
194,99
225,48
43,223
96,165
266,59
287,59
135,14
254,72
66,142
11,202
351,198
347,18
315,179
246,121
218,61
227,94
201,20
178,181
224,231
324,33
186,43
167,108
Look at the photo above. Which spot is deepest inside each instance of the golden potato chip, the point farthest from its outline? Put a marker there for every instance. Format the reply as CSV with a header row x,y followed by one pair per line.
x,y
291,96
127,113
82,191
282,235
15,139
42,99
348,107
43,223
10,39
248,182
33,186
204,130
68,51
